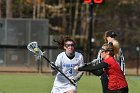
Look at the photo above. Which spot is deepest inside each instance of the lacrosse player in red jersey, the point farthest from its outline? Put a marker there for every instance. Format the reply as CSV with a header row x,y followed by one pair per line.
x,y
116,79
66,61
110,36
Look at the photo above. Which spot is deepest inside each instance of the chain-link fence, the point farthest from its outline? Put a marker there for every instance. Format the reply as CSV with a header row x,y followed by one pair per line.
x,y
15,34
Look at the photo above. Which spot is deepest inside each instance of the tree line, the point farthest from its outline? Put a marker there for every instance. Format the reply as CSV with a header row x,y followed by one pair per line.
x,y
71,17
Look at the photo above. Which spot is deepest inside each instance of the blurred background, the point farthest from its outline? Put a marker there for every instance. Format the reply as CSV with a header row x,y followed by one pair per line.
x,y
24,21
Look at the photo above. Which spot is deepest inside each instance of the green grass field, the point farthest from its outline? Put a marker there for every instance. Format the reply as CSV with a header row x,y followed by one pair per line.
x,y
40,83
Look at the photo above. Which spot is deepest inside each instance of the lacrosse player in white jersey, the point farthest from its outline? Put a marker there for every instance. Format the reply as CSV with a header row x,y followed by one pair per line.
x,y
66,61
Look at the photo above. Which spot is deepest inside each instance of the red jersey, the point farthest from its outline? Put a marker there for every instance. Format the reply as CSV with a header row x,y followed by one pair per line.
x,y
116,79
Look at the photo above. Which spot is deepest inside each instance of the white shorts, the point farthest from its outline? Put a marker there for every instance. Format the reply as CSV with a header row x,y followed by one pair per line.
x,y
63,89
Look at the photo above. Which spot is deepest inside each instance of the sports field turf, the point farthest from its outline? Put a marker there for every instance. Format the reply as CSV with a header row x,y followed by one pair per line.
x,y
42,83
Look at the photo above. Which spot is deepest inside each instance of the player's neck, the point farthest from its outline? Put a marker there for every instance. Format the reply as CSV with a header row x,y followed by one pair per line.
x,y
70,55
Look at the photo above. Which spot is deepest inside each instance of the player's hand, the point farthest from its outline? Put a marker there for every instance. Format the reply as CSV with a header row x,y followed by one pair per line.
x,y
72,79
76,67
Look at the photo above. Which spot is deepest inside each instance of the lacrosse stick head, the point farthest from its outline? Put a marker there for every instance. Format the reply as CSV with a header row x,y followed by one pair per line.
x,y
95,60
33,47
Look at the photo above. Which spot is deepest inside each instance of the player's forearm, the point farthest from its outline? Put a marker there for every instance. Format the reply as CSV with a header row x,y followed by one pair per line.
x,y
98,72
91,68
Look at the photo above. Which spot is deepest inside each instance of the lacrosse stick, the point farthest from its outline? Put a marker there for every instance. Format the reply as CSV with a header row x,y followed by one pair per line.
x,y
94,61
33,47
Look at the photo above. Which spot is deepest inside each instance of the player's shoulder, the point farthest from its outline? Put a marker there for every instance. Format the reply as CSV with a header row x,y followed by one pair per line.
x,y
78,54
61,54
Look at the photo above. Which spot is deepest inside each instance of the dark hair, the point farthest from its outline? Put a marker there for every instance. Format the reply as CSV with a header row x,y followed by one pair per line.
x,y
111,33
61,42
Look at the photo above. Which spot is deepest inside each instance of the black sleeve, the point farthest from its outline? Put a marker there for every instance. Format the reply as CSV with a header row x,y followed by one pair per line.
x,y
91,68
98,72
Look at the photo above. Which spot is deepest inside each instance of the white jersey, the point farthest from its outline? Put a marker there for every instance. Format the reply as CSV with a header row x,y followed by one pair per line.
x,y
66,65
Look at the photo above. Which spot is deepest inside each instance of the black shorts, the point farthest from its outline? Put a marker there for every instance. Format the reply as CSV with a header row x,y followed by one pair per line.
x,y
122,90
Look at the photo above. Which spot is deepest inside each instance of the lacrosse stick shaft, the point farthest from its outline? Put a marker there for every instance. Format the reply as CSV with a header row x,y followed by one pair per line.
x,y
58,70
